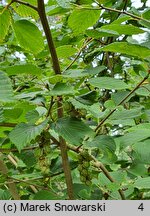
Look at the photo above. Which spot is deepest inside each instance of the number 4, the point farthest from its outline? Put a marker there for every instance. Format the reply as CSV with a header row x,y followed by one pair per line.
x,y
141,207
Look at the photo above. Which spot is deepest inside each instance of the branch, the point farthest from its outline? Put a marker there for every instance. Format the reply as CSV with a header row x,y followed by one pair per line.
x,y
50,107
26,4
16,150
101,7
78,54
122,101
30,183
12,160
7,124
56,66
20,2
106,173
12,187
7,6
98,165
44,21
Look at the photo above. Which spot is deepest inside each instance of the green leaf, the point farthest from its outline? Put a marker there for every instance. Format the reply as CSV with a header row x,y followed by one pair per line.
x,y
119,95
74,73
108,83
128,49
122,29
113,29
134,137
94,70
141,126
62,89
107,146
56,79
28,176
5,21
23,69
88,98
94,33
25,11
80,20
85,2
25,106
4,195
33,2
65,3
13,113
29,36
122,18
109,104
78,188
127,114
113,186
146,14
2,50
54,10
142,151
24,133
96,194
118,176
66,51
77,104
145,23
84,194
142,183
45,195
28,158
137,169
144,90
32,116
1,115
6,91
72,130
123,122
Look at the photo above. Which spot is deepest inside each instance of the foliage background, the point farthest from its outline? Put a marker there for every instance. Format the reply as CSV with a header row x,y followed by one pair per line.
x,y
74,100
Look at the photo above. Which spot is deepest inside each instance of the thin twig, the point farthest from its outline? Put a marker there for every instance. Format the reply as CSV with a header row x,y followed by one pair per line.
x,y
124,12
16,150
28,182
8,5
26,4
12,160
7,150
33,188
121,102
20,2
86,42
102,7
7,124
50,107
